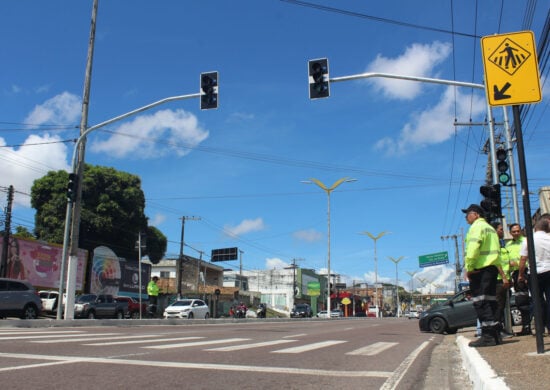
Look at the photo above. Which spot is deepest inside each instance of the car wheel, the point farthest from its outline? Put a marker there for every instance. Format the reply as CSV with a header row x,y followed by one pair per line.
x,y
438,325
516,316
91,315
135,315
206,316
120,315
190,316
29,312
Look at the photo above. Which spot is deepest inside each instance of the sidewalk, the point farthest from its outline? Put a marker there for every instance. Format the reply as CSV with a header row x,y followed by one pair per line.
x,y
515,364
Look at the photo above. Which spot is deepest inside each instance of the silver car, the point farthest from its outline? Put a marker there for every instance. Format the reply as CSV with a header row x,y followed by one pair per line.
x,y
18,298
187,308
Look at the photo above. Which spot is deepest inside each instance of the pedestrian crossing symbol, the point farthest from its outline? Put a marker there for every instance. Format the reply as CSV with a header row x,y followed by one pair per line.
x,y
509,56
511,69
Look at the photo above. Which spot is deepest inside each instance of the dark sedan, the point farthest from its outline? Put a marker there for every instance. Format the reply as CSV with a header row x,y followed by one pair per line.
x,y
457,312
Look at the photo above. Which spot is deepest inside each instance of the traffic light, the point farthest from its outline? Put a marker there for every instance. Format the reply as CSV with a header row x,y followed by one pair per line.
x,y
209,90
491,202
318,79
502,166
71,187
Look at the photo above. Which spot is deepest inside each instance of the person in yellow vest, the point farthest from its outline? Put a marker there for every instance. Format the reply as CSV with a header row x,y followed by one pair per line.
x,y
481,265
521,290
153,291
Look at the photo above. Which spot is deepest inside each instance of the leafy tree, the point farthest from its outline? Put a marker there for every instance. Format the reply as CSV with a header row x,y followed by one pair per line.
x,y
22,232
112,212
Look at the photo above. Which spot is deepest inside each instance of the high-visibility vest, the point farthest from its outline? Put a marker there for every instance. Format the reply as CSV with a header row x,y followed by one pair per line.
x,y
482,246
152,289
513,247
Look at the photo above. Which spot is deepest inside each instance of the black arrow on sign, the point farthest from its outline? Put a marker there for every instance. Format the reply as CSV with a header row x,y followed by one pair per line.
x,y
499,94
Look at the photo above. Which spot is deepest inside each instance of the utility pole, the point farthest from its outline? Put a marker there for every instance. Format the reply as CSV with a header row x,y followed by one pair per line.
x,y
240,270
180,258
140,245
7,233
458,266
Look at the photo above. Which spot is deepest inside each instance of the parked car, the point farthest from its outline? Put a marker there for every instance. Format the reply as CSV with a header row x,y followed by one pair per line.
x,y
133,307
19,298
187,308
333,313
50,300
412,314
99,306
457,312
301,310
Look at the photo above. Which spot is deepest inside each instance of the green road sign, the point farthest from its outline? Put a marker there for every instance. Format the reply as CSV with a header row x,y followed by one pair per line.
x,y
433,259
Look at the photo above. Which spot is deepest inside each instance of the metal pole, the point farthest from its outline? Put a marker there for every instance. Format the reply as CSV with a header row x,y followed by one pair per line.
x,y
329,308
512,165
139,271
180,260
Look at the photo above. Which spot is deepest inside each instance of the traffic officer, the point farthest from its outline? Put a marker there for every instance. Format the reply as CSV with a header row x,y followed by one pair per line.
x,y
481,264
153,292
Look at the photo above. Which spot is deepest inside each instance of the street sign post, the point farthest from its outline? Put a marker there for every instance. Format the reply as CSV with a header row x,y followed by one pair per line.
x,y
511,69
433,259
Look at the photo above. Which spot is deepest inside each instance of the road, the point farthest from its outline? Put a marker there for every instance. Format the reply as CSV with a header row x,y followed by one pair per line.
x,y
345,353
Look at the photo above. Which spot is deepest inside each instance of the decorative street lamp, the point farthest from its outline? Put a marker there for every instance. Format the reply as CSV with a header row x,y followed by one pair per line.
x,y
375,239
396,261
328,190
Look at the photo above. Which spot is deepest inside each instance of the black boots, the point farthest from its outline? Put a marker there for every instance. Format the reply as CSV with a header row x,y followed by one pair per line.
x,y
525,331
489,337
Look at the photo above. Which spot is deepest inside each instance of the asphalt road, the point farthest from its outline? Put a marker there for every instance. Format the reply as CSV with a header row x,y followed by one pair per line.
x,y
345,353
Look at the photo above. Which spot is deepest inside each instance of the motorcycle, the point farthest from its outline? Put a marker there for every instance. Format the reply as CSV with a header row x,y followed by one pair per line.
x,y
261,312
240,312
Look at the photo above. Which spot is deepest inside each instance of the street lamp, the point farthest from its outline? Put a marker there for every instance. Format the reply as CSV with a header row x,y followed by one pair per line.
x,y
411,274
396,261
375,238
328,190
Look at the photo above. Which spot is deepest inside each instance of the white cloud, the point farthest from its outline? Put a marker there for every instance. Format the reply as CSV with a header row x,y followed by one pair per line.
x,y
418,60
179,131
246,226
275,263
22,166
64,108
434,125
310,235
157,220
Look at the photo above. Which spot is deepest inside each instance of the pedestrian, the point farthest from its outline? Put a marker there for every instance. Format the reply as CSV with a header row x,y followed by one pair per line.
x,y
541,242
481,264
521,289
503,278
153,292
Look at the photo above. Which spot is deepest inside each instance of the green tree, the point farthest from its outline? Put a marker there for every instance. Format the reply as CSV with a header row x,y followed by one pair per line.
x,y
112,212
22,232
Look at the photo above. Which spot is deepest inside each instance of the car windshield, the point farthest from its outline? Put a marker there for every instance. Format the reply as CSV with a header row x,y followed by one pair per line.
x,y
185,302
85,298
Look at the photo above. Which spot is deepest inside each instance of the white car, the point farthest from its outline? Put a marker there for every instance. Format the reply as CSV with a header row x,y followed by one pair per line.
x,y
334,313
412,314
50,300
187,308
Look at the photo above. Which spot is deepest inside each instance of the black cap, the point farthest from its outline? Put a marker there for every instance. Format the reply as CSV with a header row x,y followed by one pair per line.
x,y
474,207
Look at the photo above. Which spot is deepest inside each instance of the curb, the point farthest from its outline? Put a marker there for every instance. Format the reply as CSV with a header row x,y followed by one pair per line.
x,y
481,374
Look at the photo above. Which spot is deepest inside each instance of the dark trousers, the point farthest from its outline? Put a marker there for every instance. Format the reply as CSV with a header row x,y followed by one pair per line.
x,y
501,293
483,285
523,301
544,291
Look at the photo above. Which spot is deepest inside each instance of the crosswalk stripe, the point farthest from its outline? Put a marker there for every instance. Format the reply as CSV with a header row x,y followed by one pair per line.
x,y
87,338
310,347
51,335
373,349
146,341
249,346
196,343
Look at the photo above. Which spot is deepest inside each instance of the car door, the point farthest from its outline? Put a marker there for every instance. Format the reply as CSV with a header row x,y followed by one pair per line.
x,y
460,311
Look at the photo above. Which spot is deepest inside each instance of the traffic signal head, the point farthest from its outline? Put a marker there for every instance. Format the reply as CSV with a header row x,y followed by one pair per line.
x,y
209,90
71,187
491,202
502,166
318,78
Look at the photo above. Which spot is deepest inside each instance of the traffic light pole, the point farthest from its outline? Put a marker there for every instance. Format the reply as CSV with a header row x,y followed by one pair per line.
x,y
67,237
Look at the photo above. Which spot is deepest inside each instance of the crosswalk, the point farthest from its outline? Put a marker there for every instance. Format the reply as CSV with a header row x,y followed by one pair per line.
x,y
295,344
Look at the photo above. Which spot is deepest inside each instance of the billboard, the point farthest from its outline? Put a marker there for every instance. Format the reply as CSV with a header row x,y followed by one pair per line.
x,y
224,254
39,263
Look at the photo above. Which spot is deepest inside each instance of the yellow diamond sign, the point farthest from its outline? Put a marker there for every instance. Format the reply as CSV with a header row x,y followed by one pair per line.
x,y
511,69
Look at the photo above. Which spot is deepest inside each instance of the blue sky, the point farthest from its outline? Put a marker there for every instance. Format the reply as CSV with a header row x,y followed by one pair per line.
x,y
240,168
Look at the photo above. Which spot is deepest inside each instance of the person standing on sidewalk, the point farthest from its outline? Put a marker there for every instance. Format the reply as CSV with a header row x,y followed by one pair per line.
x,y
503,278
481,264
541,241
521,290
153,292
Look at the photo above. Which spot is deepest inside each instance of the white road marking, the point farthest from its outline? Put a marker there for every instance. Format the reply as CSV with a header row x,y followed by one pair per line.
x,y
393,381
22,331
249,346
295,336
373,349
56,336
146,341
310,347
196,343
92,339
199,366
